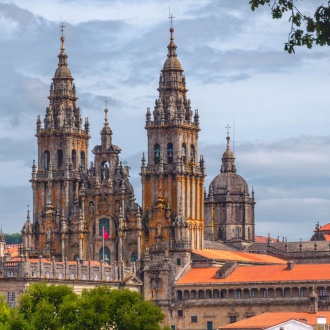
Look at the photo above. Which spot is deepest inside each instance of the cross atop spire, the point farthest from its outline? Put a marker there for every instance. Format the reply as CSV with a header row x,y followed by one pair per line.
x,y
228,127
171,17
62,26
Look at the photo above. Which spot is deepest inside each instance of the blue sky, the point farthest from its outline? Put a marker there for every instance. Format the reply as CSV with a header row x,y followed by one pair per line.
x,y
236,71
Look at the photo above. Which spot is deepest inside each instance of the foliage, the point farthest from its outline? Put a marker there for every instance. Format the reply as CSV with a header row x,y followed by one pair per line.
x,y
5,311
305,30
15,238
58,307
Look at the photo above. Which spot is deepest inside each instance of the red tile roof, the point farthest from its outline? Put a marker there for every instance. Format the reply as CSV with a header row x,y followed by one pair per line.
x,y
266,273
264,239
269,319
325,227
238,256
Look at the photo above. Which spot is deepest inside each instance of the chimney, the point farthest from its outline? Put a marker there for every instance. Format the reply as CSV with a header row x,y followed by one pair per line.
x,y
290,265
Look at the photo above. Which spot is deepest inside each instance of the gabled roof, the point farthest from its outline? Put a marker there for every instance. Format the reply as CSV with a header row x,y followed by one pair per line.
x,y
266,273
266,320
238,256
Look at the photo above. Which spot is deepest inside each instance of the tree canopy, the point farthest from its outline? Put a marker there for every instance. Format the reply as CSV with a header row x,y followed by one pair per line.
x,y
15,238
305,30
58,307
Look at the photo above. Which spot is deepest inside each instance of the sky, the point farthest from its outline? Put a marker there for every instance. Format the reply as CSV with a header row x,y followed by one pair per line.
x,y
237,74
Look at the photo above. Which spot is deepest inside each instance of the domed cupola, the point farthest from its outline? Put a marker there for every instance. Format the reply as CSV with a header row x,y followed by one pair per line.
x,y
229,208
228,182
172,62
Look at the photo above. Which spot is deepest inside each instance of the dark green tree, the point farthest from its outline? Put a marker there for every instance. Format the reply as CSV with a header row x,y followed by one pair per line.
x,y
15,238
305,30
58,307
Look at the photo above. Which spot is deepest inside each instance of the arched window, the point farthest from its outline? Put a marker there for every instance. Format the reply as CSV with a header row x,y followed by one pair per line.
x,y
105,170
156,153
46,160
76,257
236,232
184,153
82,159
170,153
59,158
106,255
134,256
74,158
104,223
192,154
221,234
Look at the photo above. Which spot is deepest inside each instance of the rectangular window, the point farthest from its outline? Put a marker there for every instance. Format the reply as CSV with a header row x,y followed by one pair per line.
x,y
232,319
265,293
194,319
252,293
301,292
209,325
96,277
178,262
180,313
84,277
322,292
10,273
60,276
11,298
104,223
72,276
238,294
172,327
201,294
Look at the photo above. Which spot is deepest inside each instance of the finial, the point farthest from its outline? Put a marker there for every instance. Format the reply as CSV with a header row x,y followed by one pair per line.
x,y
106,113
171,17
62,26
28,213
228,137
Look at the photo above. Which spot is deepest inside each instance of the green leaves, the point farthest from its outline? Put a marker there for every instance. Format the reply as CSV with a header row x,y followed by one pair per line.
x,y
53,307
305,30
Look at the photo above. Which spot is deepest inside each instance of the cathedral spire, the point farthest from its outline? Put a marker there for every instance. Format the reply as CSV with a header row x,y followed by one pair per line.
x,y
228,159
106,132
172,46
62,56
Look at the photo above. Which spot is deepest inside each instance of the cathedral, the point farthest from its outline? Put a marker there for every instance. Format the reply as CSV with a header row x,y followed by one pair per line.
x,y
181,248
86,210
77,202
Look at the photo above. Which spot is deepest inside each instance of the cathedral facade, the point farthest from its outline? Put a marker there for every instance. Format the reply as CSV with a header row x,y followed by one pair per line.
x,y
87,210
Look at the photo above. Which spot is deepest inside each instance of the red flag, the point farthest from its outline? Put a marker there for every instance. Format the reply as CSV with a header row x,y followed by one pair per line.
x,y
105,234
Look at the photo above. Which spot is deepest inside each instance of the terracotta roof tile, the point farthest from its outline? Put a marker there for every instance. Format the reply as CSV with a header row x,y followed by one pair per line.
x,y
325,227
269,319
267,273
238,256
264,239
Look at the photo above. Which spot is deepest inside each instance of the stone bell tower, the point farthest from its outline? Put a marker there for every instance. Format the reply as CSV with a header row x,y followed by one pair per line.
x,y
172,180
56,177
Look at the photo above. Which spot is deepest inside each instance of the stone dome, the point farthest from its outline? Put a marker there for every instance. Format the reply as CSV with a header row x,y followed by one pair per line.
x,y
228,182
63,71
228,154
172,63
